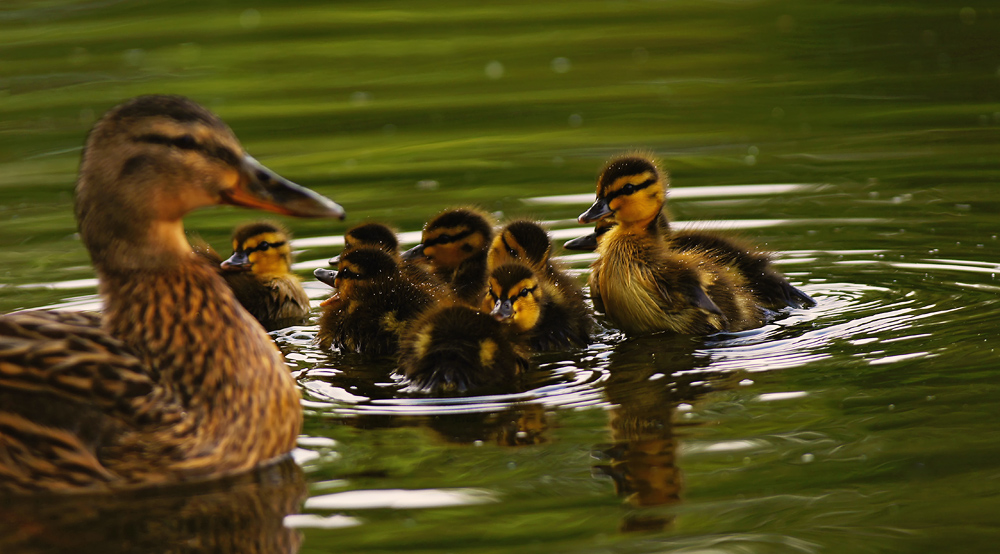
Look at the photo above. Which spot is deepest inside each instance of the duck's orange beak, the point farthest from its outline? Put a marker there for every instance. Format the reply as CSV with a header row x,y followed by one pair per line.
x,y
259,187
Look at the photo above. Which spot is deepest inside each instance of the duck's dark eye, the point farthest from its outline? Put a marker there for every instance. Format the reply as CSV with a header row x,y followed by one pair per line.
x,y
444,238
512,252
263,246
525,292
628,189
186,142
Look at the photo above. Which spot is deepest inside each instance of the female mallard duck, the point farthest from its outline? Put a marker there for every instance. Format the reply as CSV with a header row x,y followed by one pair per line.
x,y
260,274
640,282
518,297
373,302
457,348
175,380
455,243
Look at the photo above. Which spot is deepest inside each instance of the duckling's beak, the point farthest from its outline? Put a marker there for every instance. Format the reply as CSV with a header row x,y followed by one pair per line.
x,y
587,243
261,188
239,261
326,276
503,309
598,210
415,253
334,261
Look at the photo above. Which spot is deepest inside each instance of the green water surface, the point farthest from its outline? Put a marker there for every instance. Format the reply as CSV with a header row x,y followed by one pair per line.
x,y
866,424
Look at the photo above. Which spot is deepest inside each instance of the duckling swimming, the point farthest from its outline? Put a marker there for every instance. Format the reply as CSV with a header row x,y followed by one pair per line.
x,y
259,272
455,243
528,243
640,282
175,381
518,297
369,233
372,304
457,348
771,287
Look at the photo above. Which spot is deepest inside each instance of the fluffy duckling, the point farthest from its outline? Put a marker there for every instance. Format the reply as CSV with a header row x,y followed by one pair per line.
x,y
372,304
259,272
771,288
457,348
517,296
174,381
455,243
640,282
365,234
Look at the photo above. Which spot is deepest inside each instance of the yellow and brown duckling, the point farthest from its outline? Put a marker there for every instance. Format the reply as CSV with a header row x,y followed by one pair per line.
x,y
519,297
640,282
770,287
368,234
455,348
455,243
260,274
528,243
175,381
372,303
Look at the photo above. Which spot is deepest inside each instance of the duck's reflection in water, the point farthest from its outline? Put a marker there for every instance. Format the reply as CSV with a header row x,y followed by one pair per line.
x,y
243,514
645,389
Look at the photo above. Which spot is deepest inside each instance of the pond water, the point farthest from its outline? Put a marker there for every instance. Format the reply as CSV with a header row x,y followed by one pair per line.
x,y
858,140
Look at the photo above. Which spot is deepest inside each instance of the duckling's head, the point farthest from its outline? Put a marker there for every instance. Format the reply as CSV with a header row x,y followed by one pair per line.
x,y
521,241
263,247
452,237
588,243
153,159
368,234
631,188
357,268
515,296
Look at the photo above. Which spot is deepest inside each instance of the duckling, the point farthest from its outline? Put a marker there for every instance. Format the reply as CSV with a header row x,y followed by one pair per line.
x,y
378,235
369,233
519,297
175,381
372,304
528,243
640,282
771,288
456,348
455,243
259,272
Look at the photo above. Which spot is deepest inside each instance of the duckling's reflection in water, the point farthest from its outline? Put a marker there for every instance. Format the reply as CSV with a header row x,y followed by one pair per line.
x,y
519,425
642,457
242,514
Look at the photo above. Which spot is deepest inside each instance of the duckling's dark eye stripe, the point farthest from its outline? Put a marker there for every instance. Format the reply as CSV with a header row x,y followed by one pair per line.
x,y
264,246
451,238
506,245
629,189
185,142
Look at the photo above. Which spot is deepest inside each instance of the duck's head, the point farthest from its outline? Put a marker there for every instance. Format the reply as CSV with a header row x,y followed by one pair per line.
x,y
263,247
521,241
588,243
631,188
515,296
357,268
153,159
369,234
452,237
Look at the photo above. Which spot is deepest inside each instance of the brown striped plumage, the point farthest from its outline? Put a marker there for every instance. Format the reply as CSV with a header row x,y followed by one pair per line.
x,y
175,381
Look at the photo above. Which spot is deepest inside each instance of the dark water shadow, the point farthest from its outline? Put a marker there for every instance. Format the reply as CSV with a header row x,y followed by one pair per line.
x,y
243,514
